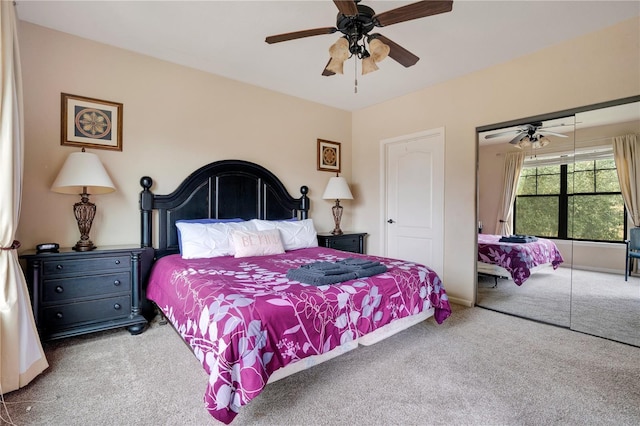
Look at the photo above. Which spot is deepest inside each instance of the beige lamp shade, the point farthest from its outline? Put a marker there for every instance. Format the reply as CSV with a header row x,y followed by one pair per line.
x,y
83,170
339,52
379,50
337,189
368,65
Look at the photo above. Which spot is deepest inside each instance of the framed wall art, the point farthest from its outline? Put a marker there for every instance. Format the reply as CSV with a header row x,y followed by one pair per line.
x,y
91,123
329,156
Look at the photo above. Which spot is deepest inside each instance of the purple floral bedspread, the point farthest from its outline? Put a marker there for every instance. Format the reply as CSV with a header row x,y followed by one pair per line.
x,y
244,319
518,258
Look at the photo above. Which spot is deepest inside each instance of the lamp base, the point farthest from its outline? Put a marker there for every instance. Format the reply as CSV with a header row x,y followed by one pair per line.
x,y
84,212
337,216
84,246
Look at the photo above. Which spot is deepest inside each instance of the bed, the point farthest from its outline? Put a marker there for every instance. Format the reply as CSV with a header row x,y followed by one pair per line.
x,y
515,260
245,321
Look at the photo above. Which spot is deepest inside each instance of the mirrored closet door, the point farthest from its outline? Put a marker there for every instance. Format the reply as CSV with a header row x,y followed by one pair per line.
x,y
602,302
542,150
566,190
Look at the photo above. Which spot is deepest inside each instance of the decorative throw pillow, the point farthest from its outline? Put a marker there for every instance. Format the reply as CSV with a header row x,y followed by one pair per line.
x,y
205,240
294,234
256,243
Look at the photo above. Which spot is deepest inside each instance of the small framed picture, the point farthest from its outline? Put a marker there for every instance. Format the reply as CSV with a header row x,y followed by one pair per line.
x,y
329,156
91,123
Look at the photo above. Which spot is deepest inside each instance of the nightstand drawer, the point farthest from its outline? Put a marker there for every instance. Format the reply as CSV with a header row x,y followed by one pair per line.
x,y
74,266
57,290
60,316
352,242
345,244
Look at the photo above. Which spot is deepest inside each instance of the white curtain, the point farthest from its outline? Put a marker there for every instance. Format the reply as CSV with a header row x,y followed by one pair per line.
x,y
21,354
512,166
626,152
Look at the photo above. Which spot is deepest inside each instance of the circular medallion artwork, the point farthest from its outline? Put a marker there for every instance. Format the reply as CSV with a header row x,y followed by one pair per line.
x,y
329,156
93,123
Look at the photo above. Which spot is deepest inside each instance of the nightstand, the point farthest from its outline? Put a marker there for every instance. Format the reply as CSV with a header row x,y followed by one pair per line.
x,y
74,293
353,242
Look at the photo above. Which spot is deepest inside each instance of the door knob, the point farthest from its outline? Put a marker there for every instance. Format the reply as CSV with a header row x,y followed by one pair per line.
x,y
391,221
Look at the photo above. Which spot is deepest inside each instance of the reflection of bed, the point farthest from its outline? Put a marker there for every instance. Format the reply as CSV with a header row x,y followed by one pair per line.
x,y
515,260
244,320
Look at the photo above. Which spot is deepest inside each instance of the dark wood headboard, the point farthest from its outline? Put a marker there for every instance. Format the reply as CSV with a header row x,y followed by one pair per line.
x,y
220,190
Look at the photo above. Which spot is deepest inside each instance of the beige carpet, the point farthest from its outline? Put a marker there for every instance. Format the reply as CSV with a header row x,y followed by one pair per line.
x,y
478,368
597,303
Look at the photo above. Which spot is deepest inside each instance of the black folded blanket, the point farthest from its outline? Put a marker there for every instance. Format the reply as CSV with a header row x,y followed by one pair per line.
x,y
518,239
323,273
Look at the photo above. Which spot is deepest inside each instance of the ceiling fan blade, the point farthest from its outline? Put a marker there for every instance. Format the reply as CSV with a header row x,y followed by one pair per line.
x,y
497,135
300,34
411,11
545,132
326,72
518,138
347,7
397,52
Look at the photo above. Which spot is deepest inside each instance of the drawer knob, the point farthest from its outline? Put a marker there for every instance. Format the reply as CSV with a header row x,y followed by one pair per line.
x,y
116,282
117,262
59,289
117,306
58,266
59,315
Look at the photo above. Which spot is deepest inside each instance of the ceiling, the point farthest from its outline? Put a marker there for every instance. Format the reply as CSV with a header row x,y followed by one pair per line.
x,y
227,38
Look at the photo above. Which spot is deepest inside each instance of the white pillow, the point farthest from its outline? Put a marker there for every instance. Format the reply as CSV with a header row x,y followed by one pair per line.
x,y
204,240
294,234
256,243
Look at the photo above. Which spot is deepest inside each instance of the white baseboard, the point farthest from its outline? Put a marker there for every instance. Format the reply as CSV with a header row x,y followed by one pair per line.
x,y
605,270
462,302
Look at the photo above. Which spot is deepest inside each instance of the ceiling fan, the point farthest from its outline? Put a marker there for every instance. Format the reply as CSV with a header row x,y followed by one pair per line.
x,y
532,134
355,21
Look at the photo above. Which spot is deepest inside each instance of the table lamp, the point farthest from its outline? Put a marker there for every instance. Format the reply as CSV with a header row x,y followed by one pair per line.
x,y
83,174
337,189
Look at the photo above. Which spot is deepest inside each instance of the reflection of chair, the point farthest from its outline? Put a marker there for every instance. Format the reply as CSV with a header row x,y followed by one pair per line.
x,y
633,249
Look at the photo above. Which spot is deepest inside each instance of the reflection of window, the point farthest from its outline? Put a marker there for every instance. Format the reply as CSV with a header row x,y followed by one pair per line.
x,y
579,201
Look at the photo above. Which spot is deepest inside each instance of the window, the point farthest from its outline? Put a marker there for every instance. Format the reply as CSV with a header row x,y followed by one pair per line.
x,y
579,201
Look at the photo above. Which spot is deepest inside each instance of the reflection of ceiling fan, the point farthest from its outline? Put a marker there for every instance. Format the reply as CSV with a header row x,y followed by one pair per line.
x,y
355,21
528,135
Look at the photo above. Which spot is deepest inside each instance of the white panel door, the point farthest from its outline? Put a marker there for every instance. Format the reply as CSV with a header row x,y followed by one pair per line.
x,y
414,183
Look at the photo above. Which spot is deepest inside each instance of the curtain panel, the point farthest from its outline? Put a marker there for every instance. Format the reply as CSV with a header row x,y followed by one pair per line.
x,y
21,354
626,153
512,167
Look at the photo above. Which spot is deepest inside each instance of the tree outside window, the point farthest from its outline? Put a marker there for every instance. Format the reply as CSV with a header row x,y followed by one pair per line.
x,y
579,201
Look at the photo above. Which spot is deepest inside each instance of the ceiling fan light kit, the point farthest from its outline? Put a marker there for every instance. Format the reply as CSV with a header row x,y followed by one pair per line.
x,y
355,21
528,135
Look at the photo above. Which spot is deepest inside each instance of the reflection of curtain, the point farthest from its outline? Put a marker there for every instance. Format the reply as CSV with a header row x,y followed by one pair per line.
x,y
512,167
21,355
626,152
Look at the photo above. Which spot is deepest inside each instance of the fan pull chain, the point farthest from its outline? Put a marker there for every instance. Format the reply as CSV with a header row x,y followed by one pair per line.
x,y
355,87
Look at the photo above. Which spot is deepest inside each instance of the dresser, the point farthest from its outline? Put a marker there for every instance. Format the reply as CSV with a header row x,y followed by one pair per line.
x,y
349,241
74,293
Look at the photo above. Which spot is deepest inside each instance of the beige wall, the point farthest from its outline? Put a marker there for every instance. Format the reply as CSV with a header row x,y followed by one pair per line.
x,y
176,119
594,68
179,119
